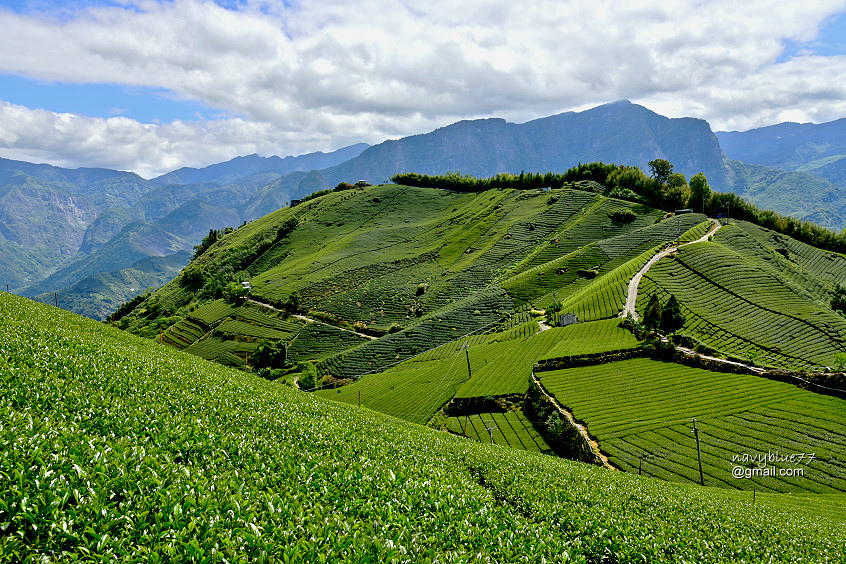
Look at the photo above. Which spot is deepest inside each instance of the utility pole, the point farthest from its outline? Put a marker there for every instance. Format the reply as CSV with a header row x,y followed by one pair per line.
x,y
698,453
56,295
466,420
490,428
467,353
359,399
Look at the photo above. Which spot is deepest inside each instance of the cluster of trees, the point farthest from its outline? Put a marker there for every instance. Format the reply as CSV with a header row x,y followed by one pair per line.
x,y
663,189
524,181
213,237
838,299
667,318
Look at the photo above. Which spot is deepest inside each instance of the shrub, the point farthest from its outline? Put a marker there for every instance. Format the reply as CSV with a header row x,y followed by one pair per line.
x,y
623,216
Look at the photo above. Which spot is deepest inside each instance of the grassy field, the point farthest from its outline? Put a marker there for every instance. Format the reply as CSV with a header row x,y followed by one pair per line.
x,y
641,411
115,448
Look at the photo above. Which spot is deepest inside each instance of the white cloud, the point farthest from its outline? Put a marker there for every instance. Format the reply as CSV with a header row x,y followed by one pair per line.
x,y
320,74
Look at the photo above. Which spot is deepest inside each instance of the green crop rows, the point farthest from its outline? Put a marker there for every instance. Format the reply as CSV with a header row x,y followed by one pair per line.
x,y
591,338
605,297
114,448
696,232
503,368
751,307
640,411
419,266
509,429
414,392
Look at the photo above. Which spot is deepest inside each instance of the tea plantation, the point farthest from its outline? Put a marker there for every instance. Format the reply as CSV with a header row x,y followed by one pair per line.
x,y
115,448
415,267
744,293
641,412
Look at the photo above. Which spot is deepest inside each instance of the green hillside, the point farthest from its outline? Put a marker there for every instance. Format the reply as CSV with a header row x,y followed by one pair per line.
x,y
117,448
392,271
752,291
416,267
428,305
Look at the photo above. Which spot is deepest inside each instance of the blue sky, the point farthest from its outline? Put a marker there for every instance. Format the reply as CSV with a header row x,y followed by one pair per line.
x,y
830,41
152,85
148,105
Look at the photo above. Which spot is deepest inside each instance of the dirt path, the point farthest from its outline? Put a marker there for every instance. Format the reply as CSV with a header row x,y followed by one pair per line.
x,y
543,326
310,320
631,296
594,446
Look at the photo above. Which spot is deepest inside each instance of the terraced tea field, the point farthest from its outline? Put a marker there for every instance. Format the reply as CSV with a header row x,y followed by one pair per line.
x,y
414,393
115,448
225,333
424,265
500,363
591,338
510,429
734,304
640,411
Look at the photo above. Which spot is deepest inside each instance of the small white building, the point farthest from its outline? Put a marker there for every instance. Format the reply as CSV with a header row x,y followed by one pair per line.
x,y
566,319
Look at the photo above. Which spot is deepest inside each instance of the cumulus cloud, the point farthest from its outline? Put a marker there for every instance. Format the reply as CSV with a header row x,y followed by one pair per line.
x,y
317,74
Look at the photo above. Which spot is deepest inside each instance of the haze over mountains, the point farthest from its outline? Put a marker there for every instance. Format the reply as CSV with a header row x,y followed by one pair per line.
x,y
98,236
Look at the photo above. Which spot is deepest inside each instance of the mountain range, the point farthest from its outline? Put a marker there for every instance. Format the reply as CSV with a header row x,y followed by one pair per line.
x,y
68,231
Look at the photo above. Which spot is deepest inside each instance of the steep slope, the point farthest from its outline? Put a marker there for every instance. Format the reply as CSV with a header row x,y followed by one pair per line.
x,y
417,267
115,448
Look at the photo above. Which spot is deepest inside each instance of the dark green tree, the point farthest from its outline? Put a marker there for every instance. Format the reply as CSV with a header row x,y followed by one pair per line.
x,y
677,193
207,242
676,180
193,277
838,299
671,316
661,170
307,379
653,314
234,292
699,190
269,354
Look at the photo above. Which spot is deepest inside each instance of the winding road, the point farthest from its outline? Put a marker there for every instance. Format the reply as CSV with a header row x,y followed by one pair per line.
x,y
631,296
